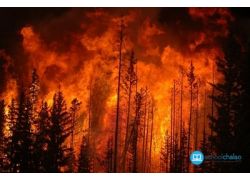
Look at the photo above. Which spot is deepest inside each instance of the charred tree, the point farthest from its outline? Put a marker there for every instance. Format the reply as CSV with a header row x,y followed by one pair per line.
x,y
116,145
11,123
129,83
42,139
2,135
151,136
227,99
84,157
181,122
165,153
22,142
191,80
75,106
196,133
60,129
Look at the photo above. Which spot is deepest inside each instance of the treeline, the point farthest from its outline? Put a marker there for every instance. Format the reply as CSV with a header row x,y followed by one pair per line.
x,y
36,137
134,126
33,139
225,109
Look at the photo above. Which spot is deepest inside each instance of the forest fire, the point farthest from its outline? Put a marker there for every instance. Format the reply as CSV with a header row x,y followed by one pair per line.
x,y
143,84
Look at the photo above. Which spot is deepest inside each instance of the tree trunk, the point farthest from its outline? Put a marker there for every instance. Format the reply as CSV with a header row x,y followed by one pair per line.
x,y
118,101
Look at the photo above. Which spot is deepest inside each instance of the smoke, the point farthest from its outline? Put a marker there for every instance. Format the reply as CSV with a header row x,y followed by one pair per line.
x,y
77,49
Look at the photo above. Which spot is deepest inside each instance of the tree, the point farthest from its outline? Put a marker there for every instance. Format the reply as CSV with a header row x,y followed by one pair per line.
x,y
165,152
135,129
242,130
129,82
191,80
228,104
34,91
43,139
181,121
84,157
121,34
75,106
11,124
34,88
58,152
21,139
2,135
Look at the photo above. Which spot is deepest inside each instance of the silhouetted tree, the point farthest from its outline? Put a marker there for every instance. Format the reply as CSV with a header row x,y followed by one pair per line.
x,y
2,140
58,152
129,82
228,103
84,157
135,130
11,123
34,91
165,153
117,122
75,106
43,139
21,158
242,129
191,80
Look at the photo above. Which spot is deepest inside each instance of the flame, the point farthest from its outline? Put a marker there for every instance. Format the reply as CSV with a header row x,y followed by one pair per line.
x,y
89,61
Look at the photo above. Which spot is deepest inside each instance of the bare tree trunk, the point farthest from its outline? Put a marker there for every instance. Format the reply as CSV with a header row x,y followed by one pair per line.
x,y
197,117
181,123
128,120
204,117
212,113
174,129
118,102
171,131
89,127
191,80
146,146
144,132
151,137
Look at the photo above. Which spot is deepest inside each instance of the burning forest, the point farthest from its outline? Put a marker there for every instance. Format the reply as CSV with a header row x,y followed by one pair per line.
x,y
123,89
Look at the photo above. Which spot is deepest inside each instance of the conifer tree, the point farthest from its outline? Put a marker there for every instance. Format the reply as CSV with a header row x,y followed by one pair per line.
x,y
84,157
21,138
43,139
58,152
11,123
2,140
228,103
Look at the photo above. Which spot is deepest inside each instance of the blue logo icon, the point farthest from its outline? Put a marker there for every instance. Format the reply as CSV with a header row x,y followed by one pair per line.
x,y
197,157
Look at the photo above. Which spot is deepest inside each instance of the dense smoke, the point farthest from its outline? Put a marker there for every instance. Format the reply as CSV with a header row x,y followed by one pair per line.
x,y
77,50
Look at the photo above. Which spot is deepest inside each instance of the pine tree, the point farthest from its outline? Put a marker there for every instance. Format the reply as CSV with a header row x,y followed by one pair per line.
x,y
135,129
116,151
84,157
2,135
165,153
21,139
243,133
191,80
11,124
58,152
227,101
43,139
129,82
75,106
34,91
34,88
